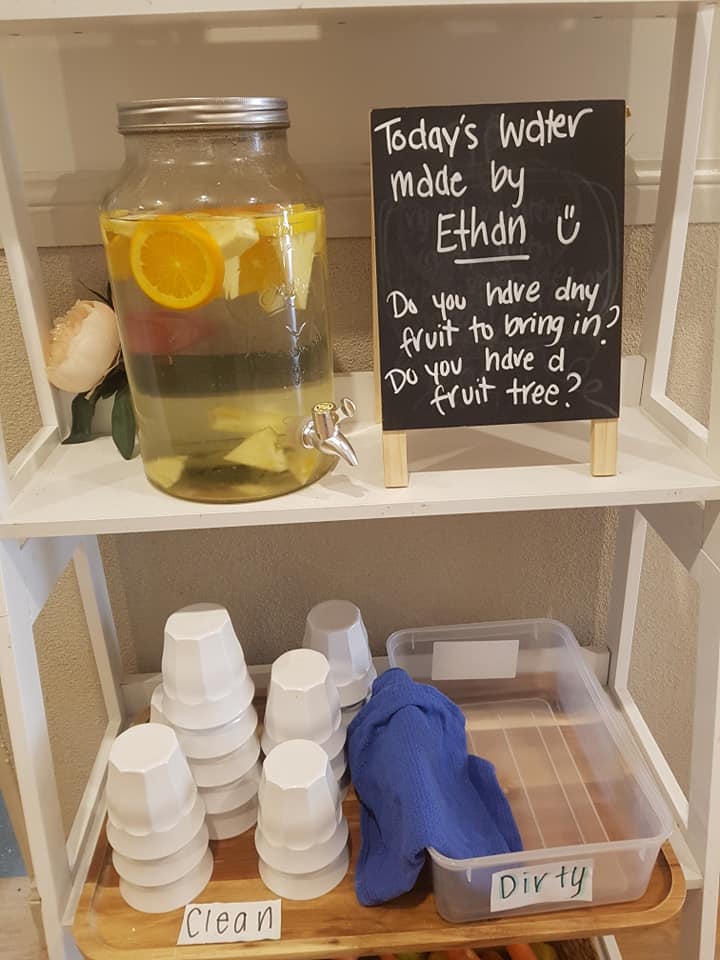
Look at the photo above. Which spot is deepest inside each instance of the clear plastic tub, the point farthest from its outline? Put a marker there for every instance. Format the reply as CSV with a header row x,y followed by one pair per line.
x,y
580,792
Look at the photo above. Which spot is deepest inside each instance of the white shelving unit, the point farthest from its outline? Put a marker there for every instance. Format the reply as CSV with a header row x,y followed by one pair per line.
x,y
55,500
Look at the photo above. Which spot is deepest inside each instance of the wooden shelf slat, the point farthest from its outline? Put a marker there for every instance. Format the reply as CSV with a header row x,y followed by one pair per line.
x,y
336,925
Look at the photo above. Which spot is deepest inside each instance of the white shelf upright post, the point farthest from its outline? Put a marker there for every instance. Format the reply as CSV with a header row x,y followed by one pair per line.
x,y
28,573
691,531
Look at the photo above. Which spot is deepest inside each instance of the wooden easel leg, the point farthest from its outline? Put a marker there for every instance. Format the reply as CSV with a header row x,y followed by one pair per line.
x,y
603,447
395,458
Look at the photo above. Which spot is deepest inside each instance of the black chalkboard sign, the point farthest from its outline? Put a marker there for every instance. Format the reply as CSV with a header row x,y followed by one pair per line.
x,y
499,257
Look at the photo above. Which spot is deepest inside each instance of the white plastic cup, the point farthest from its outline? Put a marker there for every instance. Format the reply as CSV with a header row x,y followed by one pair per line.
x,y
223,770
223,826
303,861
230,796
149,784
335,628
211,742
344,784
156,706
306,886
338,760
201,717
333,746
153,846
302,701
339,765
205,679
299,796
348,714
171,896
164,870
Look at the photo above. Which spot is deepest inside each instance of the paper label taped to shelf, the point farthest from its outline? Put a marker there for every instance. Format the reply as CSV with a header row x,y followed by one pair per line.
x,y
474,659
230,922
545,883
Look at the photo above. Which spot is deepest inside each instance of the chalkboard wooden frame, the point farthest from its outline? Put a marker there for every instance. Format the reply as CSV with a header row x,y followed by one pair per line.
x,y
481,207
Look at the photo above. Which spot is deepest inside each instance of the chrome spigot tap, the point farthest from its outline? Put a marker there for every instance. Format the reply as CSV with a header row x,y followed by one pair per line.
x,y
322,430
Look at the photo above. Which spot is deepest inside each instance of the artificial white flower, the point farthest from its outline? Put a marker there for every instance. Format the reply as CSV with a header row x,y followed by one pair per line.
x,y
84,344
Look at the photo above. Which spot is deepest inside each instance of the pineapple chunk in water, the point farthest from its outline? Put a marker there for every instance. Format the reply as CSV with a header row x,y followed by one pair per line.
x,y
241,422
234,236
296,255
261,451
302,464
165,471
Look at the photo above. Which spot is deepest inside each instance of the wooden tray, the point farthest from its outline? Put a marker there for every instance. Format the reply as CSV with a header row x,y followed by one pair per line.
x,y
336,925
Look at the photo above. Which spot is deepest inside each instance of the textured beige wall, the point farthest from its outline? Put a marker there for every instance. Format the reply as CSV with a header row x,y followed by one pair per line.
x,y
401,572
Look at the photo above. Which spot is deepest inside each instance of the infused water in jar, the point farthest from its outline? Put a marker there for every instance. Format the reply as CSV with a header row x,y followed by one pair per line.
x,y
216,251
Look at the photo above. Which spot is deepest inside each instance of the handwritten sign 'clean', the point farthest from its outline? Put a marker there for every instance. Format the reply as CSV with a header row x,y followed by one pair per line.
x,y
546,883
499,256
230,922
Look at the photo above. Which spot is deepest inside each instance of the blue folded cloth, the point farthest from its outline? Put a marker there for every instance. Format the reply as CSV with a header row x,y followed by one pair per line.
x,y
418,788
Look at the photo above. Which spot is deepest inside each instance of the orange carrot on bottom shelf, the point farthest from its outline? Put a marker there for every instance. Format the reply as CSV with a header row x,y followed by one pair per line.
x,y
520,951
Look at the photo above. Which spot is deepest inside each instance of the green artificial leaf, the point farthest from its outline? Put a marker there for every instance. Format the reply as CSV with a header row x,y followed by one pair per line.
x,y
103,297
83,408
123,422
114,380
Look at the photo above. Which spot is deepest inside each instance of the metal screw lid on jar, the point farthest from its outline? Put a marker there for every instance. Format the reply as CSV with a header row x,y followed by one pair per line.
x,y
203,113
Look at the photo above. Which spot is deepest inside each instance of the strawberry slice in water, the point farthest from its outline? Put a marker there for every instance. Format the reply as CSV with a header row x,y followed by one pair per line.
x,y
162,334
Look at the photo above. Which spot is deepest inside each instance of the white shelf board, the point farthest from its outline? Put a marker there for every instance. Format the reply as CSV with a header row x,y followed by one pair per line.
x,y
77,13
88,488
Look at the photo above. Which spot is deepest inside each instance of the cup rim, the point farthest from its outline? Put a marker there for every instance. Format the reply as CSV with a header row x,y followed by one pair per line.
x,y
250,780
356,690
234,822
206,771
316,857
184,890
332,746
193,851
136,847
302,886
208,732
188,716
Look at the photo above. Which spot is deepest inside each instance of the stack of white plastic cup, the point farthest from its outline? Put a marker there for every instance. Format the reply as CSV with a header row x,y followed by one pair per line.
x,y
206,697
302,836
303,704
335,628
156,821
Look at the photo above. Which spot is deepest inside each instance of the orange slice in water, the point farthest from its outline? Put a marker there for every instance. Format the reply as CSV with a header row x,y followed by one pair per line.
x,y
176,263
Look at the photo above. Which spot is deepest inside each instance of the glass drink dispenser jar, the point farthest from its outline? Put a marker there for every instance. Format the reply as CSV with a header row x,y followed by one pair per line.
x,y
216,250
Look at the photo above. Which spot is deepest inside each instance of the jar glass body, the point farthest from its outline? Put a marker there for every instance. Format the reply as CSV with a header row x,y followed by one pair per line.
x,y
216,251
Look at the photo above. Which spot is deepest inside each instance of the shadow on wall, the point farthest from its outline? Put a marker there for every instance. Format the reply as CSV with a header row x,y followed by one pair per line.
x,y
320,63
401,573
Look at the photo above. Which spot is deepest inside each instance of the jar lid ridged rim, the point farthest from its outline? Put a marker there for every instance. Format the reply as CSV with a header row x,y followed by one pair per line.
x,y
203,113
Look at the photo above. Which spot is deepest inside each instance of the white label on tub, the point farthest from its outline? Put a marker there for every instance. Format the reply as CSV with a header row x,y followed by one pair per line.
x,y
230,922
545,883
474,659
